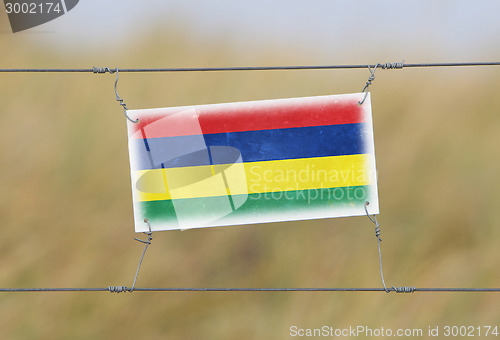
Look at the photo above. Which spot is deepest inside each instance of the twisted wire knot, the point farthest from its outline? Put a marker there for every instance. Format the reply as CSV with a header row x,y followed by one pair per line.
x,y
403,289
118,289
374,221
103,70
118,99
369,81
385,66
378,232
392,66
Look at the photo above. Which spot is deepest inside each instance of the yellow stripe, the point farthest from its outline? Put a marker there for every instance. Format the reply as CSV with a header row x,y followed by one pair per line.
x,y
254,177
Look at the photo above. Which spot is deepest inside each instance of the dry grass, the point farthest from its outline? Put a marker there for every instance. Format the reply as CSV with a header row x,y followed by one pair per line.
x,y
65,206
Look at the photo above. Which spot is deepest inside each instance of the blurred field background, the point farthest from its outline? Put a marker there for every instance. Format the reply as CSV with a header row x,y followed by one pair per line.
x,y
66,209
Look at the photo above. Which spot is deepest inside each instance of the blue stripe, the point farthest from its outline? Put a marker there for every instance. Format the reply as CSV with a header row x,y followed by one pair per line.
x,y
254,146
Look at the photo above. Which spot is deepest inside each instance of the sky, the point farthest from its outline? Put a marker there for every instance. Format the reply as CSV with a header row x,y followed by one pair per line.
x,y
427,30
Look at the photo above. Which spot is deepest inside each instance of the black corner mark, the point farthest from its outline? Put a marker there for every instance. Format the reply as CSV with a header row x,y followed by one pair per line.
x,y
26,14
70,4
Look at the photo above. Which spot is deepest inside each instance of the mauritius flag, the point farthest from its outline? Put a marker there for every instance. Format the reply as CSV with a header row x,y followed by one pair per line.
x,y
252,162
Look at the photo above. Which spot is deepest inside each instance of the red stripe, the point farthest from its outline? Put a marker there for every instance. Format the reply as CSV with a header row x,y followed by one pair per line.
x,y
250,116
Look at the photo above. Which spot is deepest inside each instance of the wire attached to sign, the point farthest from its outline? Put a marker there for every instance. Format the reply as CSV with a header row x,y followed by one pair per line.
x,y
123,289
147,242
377,235
385,66
368,83
118,98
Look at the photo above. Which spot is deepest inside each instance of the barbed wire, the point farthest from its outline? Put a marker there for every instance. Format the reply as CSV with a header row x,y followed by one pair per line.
x,y
398,65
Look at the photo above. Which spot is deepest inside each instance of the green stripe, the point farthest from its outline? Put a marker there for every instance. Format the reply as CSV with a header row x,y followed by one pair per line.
x,y
259,204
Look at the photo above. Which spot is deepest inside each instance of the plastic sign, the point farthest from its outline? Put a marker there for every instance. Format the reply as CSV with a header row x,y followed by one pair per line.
x,y
252,162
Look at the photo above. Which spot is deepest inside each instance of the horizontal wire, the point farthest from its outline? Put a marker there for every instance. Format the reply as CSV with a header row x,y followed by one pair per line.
x,y
244,68
423,290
